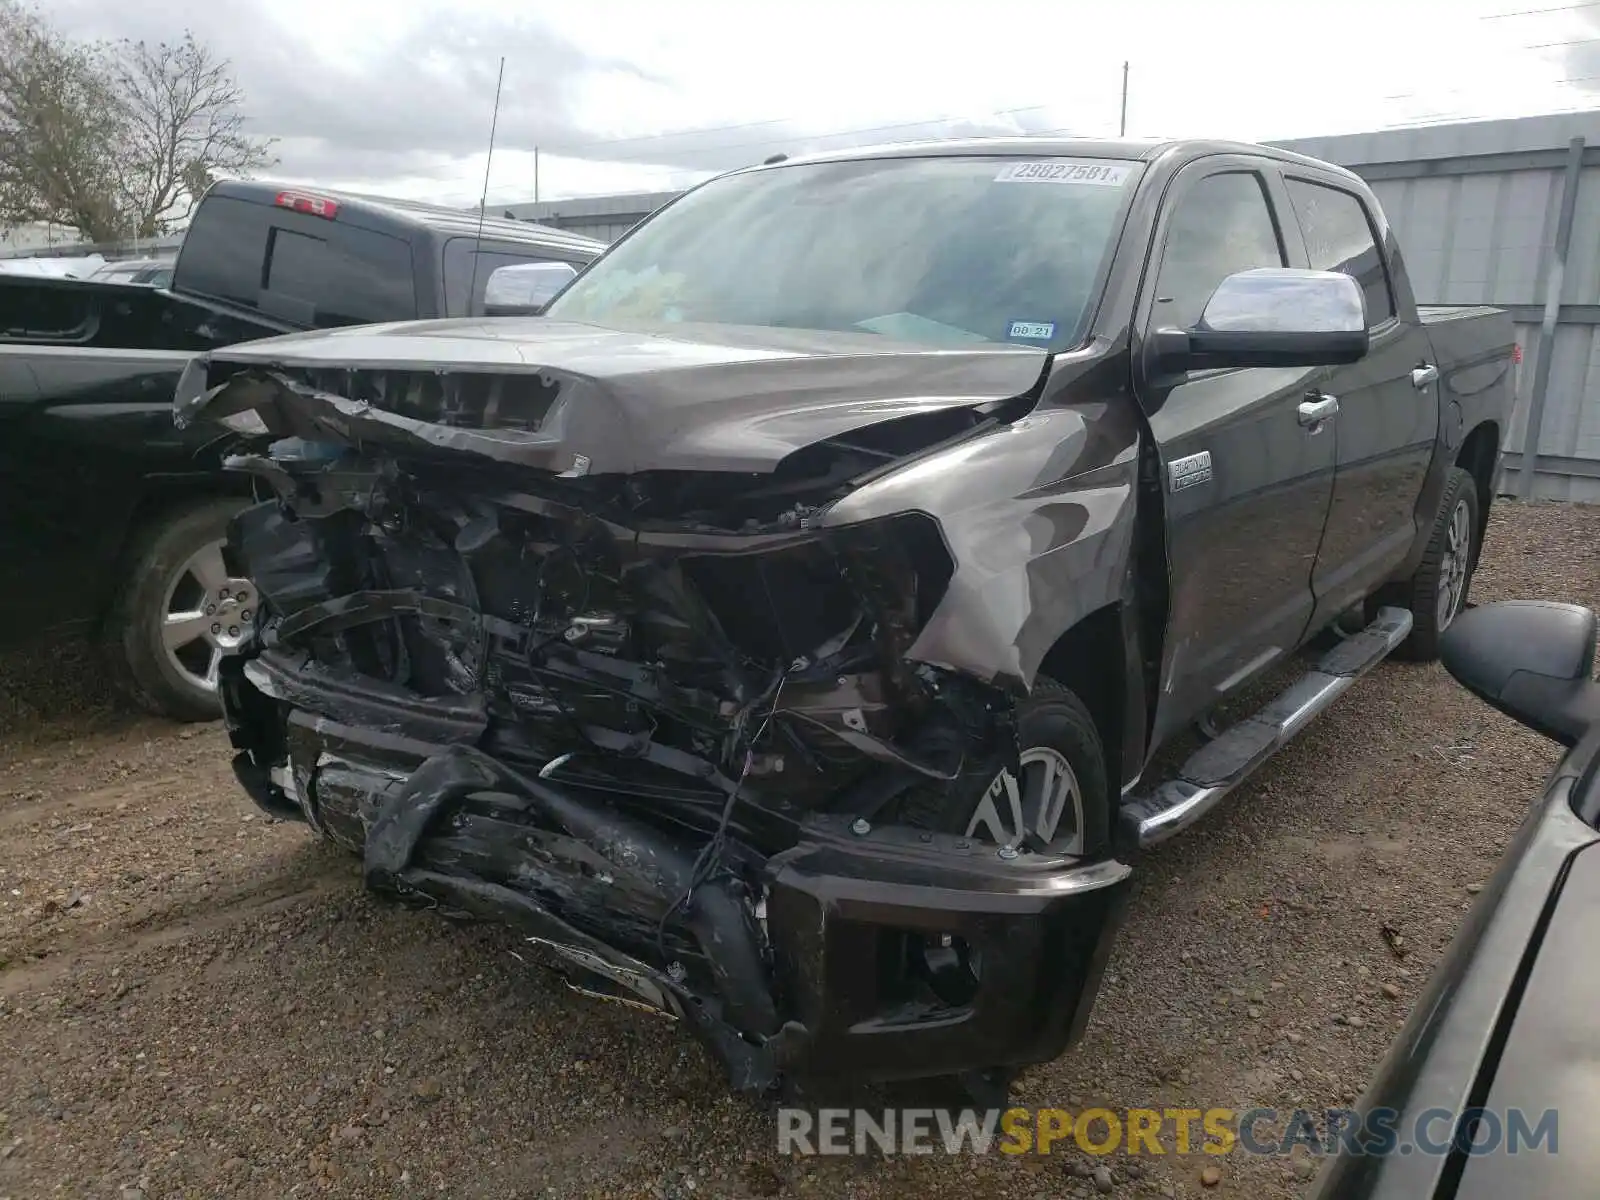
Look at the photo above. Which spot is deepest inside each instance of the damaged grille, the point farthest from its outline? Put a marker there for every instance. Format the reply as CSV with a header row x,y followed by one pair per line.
x,y
650,668
457,399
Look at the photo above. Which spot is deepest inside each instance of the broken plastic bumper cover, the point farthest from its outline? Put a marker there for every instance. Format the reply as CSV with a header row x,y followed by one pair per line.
x,y
705,717
890,953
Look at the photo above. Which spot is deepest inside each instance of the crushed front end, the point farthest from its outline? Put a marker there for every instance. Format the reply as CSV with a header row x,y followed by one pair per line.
x,y
663,723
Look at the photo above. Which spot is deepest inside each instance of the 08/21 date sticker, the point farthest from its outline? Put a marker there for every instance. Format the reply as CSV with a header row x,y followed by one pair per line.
x,y
1066,170
1037,331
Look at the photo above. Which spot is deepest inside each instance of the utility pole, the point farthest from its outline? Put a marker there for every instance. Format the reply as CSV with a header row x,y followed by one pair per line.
x,y
1122,126
536,174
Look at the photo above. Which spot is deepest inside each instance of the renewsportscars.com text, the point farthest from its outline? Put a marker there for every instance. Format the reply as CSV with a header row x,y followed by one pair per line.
x,y
1157,1131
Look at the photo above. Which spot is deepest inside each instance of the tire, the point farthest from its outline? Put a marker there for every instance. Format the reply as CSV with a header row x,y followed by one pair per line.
x,y
1054,726
1437,593
167,581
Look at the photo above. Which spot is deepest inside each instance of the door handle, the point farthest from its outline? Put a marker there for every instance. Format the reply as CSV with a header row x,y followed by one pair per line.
x,y
1317,408
1422,376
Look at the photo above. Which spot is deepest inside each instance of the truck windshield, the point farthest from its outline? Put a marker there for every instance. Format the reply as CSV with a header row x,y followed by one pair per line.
x,y
943,251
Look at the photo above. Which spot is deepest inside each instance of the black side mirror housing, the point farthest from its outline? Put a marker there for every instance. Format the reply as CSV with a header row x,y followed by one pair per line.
x,y
1531,659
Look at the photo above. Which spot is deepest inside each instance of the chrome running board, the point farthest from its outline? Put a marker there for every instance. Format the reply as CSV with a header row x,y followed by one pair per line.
x,y
1224,763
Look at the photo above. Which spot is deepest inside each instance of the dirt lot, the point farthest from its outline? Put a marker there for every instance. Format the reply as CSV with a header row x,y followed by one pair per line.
x,y
197,1002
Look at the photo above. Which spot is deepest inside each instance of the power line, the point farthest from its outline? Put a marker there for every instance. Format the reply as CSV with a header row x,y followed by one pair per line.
x,y
1463,91
820,137
1559,45
1534,12
813,137
1457,118
577,149
642,140
668,134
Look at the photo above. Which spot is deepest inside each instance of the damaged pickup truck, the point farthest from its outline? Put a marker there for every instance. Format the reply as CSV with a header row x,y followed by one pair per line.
x,y
778,629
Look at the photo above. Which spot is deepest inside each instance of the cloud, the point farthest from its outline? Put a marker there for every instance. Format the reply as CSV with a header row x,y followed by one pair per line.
x,y
372,94
407,99
1580,58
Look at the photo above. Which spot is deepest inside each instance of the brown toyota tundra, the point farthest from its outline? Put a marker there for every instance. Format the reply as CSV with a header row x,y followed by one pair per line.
x,y
778,630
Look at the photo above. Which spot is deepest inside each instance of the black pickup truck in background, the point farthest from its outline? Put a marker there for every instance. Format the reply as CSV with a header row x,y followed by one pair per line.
x,y
780,630
111,520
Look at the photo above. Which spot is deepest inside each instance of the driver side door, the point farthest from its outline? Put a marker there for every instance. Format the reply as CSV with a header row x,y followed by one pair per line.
x,y
1246,478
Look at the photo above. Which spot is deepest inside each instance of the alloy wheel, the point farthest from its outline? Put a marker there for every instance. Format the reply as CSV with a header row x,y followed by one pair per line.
x,y
206,614
1046,804
1453,566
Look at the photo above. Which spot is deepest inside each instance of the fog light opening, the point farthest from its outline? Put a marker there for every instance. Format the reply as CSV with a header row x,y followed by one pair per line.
x,y
951,968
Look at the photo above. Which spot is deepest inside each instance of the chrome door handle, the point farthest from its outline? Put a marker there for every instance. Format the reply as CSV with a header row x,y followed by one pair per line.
x,y
1422,376
1317,408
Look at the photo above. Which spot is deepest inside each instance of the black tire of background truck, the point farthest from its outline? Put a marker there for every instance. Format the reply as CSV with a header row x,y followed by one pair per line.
x,y
131,634
1421,593
1054,718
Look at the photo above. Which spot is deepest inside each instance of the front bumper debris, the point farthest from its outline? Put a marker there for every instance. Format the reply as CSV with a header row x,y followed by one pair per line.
x,y
875,953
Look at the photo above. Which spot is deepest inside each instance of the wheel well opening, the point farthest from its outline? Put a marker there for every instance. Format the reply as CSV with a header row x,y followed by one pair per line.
x,y
1477,457
151,510
1087,660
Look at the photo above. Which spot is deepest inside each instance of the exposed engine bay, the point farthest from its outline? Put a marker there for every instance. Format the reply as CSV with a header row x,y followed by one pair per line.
x,y
665,723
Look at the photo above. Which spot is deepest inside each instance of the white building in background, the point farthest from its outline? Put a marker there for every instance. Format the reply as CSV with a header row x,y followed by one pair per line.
x,y
37,235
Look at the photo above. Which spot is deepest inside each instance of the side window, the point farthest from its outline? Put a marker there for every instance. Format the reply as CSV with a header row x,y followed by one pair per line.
x,y
1339,238
1221,225
339,275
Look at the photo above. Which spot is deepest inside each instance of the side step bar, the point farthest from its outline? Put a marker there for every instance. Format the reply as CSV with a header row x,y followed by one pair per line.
x,y
1223,764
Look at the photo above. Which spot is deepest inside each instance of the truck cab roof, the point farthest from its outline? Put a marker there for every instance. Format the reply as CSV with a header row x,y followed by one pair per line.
x,y
1129,149
406,214
304,257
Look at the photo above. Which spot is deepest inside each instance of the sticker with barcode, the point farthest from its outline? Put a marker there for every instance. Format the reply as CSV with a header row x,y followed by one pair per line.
x,y
1041,331
1066,170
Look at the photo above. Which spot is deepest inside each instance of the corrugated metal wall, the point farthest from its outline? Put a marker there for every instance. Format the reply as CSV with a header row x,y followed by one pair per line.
x,y
1477,210
605,218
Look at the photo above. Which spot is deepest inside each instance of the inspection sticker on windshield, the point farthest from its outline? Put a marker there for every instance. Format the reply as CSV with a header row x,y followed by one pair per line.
x,y
1041,331
1066,170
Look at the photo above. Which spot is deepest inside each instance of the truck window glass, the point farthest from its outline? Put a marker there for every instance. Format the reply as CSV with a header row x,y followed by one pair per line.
x,y
1221,225
458,270
295,266
1339,238
942,250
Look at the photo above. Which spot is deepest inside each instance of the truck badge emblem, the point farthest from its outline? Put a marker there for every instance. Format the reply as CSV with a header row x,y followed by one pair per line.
x,y
1189,470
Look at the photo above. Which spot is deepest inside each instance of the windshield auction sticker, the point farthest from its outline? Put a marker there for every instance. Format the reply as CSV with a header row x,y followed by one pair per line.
x,y
1066,170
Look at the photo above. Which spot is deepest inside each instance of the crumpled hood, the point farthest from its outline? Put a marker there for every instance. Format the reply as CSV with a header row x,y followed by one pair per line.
x,y
572,396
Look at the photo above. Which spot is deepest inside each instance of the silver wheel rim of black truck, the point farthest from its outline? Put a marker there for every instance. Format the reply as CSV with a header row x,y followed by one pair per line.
x,y
1453,565
204,615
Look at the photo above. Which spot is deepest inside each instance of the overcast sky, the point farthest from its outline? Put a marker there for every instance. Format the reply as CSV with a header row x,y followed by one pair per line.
x,y
395,95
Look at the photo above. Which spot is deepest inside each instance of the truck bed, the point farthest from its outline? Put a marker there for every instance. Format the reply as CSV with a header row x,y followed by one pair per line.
x,y
1466,334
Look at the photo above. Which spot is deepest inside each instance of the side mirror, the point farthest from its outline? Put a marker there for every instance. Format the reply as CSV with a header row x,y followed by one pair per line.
x,y
524,289
1531,659
1272,317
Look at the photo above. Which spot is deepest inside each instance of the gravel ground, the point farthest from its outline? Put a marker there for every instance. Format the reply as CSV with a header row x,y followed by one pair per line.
x,y
198,1002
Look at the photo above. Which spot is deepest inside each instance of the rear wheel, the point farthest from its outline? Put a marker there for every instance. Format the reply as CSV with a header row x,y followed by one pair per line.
x,y
178,612
1437,593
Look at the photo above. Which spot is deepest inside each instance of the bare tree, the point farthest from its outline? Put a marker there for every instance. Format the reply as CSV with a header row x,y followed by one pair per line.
x,y
182,126
58,117
115,140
